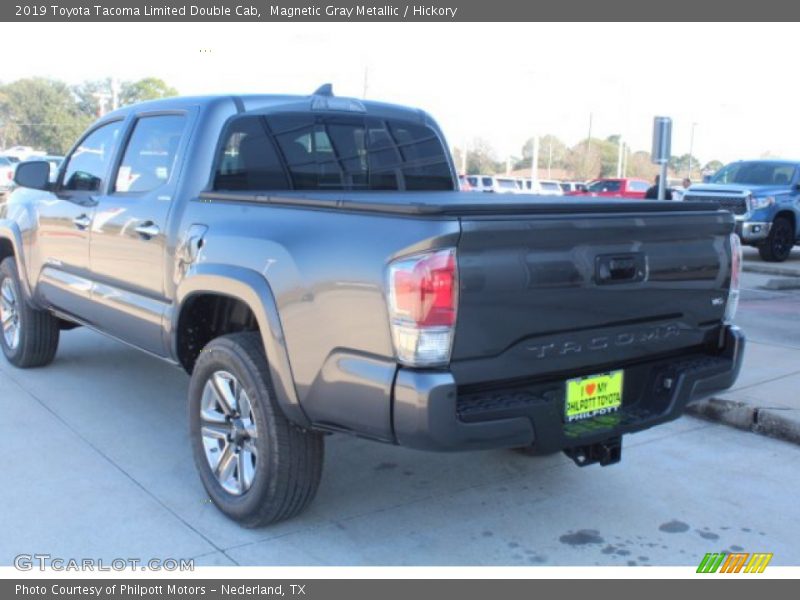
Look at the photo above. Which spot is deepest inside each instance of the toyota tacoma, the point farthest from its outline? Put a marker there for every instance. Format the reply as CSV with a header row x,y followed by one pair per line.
x,y
310,262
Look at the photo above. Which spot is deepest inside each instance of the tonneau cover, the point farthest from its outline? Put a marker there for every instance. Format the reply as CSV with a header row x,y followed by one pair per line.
x,y
454,203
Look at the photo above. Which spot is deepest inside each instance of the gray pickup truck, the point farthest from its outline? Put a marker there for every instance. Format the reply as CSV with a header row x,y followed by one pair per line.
x,y
309,262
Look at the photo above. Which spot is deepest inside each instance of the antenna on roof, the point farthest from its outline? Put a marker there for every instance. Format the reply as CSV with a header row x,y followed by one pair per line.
x,y
326,89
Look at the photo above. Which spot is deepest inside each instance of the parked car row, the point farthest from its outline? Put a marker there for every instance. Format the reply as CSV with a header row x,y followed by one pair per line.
x,y
499,184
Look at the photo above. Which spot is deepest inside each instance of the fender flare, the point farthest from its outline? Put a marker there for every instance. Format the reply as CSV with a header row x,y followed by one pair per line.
x,y
251,288
9,230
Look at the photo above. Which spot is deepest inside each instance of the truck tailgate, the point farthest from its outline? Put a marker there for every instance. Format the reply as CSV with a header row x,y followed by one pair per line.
x,y
551,294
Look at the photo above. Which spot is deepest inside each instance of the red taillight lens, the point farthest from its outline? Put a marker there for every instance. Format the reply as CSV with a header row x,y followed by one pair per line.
x,y
736,273
424,289
736,261
423,298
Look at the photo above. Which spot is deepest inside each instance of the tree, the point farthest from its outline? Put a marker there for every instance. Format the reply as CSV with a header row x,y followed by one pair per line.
x,y
41,113
713,166
593,158
640,165
684,163
481,158
584,161
149,88
547,144
86,95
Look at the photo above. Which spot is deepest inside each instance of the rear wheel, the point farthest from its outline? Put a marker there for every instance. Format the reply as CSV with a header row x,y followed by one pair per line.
x,y
257,466
29,336
778,244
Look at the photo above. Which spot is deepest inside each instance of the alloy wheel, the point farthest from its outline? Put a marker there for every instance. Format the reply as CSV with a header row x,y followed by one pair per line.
x,y
9,313
229,432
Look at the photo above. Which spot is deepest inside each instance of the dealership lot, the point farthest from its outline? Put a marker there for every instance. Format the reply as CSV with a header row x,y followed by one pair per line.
x,y
99,465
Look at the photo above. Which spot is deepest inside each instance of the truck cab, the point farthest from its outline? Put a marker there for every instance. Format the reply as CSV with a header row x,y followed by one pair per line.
x,y
764,197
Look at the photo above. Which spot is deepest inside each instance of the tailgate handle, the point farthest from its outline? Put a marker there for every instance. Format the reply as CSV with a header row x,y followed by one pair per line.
x,y
620,268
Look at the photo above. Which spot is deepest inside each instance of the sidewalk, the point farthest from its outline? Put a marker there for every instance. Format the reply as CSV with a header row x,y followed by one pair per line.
x,y
765,398
789,268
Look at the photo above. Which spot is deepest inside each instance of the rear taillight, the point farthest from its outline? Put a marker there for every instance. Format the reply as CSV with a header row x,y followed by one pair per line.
x,y
736,274
423,298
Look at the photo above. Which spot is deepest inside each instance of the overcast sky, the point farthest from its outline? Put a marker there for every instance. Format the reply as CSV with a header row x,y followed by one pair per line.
x,y
502,82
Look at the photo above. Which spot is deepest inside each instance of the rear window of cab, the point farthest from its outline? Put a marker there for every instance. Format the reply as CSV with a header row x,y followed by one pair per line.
x,y
330,152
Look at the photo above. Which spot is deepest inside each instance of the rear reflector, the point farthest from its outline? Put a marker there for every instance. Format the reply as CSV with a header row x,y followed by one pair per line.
x,y
423,296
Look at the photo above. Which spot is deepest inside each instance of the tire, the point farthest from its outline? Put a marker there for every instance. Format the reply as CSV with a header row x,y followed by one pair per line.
x,y
778,244
255,491
30,338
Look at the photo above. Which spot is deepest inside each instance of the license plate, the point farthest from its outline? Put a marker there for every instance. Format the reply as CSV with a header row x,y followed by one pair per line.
x,y
592,396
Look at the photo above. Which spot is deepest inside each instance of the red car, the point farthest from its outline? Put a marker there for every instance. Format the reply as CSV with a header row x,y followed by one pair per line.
x,y
614,188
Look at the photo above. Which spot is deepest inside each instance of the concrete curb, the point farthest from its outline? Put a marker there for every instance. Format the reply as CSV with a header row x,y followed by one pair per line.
x,y
783,283
766,269
782,424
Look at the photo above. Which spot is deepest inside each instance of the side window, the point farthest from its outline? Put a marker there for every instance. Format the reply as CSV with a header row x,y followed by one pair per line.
x,y
90,160
425,163
150,155
322,156
330,152
249,160
783,175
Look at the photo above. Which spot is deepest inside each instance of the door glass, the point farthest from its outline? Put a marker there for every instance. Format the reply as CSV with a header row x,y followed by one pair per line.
x,y
89,162
150,154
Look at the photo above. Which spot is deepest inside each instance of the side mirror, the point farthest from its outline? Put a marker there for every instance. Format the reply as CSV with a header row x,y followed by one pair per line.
x,y
33,174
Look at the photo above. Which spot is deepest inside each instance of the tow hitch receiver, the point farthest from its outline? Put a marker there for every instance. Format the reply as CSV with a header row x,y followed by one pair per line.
x,y
606,453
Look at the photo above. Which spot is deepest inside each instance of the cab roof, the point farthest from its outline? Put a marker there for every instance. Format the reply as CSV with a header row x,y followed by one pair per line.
x,y
322,100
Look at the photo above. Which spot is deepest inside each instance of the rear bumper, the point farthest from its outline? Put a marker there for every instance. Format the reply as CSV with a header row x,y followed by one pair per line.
x,y
430,413
752,231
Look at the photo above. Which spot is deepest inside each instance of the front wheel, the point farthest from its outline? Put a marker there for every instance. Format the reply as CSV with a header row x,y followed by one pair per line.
x,y
778,245
29,336
257,466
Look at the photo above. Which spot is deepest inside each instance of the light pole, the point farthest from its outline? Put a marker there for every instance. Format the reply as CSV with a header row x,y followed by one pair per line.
x,y
535,163
588,145
691,149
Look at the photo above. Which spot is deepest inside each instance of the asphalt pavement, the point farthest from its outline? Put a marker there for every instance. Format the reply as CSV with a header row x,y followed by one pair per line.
x,y
765,398
98,465
786,270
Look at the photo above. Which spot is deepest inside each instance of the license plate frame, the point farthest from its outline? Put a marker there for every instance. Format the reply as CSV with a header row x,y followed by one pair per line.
x,y
593,395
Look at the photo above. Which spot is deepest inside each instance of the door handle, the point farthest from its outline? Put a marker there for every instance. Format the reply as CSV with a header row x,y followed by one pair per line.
x,y
625,268
148,230
82,222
